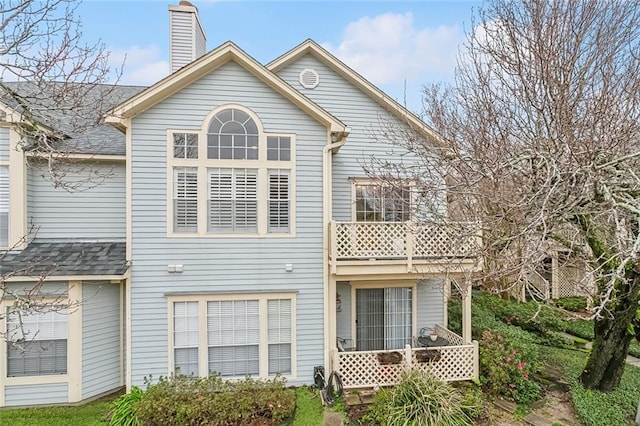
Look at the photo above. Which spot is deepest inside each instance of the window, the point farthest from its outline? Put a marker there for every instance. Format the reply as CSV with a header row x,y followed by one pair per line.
x,y
243,336
245,175
37,343
383,318
382,203
4,206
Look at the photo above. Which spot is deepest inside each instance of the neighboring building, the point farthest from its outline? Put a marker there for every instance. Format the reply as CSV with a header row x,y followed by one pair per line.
x,y
236,232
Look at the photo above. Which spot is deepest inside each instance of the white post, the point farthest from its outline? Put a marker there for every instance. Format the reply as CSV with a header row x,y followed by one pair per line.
x,y
466,311
408,359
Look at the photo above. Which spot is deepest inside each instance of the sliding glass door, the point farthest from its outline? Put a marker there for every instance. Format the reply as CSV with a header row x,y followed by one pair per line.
x,y
383,318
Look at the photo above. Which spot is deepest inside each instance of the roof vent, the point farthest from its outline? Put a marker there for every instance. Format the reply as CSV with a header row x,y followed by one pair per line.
x,y
309,79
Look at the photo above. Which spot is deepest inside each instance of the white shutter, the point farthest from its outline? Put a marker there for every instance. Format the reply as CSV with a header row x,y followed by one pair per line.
x,y
279,201
233,200
246,200
185,194
4,206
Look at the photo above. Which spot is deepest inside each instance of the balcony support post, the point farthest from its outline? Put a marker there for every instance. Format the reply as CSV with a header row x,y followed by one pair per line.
x,y
410,237
466,311
333,247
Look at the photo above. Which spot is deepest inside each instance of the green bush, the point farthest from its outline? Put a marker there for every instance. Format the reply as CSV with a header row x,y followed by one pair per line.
x,y
506,364
189,401
420,400
124,411
573,304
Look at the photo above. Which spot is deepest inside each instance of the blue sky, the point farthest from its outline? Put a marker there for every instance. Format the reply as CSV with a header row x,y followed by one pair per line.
x,y
391,43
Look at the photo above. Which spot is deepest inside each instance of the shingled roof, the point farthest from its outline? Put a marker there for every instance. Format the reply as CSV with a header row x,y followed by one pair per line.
x,y
76,120
65,258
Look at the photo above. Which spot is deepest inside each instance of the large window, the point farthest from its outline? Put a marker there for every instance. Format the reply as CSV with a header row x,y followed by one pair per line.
x,y
245,175
382,203
4,206
234,337
36,343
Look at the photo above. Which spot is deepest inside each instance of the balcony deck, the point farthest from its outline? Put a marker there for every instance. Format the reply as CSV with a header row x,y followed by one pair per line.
x,y
363,369
403,247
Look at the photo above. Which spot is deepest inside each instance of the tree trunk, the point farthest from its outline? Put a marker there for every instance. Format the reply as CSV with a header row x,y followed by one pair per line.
x,y
608,357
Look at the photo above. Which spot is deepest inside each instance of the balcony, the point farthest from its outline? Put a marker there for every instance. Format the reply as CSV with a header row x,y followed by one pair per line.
x,y
363,369
403,247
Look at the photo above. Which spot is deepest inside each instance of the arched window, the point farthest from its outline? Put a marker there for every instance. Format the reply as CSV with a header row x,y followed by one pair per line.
x,y
232,135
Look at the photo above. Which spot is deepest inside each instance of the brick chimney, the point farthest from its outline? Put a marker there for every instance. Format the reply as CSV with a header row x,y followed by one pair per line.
x,y
187,40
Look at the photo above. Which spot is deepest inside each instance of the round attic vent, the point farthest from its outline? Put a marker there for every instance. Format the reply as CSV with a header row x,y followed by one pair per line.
x,y
309,79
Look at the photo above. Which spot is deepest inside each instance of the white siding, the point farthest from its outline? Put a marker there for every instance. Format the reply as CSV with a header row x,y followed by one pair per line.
x,y
94,213
101,360
53,393
223,264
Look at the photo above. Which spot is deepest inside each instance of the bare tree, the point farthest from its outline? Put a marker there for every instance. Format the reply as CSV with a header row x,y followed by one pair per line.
x,y
54,83
53,92
541,144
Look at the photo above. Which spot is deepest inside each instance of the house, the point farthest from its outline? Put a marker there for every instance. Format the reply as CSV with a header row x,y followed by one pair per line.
x,y
236,231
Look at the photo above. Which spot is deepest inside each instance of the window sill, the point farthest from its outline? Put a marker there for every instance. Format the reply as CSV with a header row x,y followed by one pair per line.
x,y
228,236
33,380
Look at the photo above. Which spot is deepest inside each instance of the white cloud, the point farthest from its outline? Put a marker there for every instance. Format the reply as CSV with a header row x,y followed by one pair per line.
x,y
389,48
142,65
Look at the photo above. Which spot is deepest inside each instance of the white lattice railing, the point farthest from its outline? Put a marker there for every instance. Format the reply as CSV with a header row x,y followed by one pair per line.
x,y
403,240
362,369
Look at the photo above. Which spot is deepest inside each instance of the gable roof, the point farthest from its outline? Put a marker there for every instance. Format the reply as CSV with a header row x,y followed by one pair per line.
x,y
208,63
311,47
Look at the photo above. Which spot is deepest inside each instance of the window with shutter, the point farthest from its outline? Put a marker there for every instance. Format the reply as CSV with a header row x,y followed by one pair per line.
x,y
236,160
279,336
4,206
185,208
278,203
36,343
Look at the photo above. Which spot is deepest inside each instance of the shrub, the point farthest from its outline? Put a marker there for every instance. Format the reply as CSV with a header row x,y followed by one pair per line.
x,y
124,411
573,304
186,400
506,363
419,399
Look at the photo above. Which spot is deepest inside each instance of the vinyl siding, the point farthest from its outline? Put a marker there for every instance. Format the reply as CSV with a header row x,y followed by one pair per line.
x,y
53,393
91,213
365,117
101,360
182,49
222,264
4,144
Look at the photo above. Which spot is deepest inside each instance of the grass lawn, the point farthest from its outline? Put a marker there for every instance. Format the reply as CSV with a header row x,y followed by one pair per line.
x,y
85,415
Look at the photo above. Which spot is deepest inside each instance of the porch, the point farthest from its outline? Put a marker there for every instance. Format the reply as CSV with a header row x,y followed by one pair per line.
x,y
403,247
453,362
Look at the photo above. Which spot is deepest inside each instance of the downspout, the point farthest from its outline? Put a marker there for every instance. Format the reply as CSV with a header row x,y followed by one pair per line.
x,y
327,201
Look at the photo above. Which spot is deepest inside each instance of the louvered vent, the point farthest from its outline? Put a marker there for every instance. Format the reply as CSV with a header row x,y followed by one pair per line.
x,y
309,79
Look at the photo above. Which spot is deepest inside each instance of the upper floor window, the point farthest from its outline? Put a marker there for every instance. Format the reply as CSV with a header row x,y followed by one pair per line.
x,y
240,181
382,203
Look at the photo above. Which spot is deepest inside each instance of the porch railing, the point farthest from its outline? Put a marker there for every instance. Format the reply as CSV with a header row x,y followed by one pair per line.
x,y
362,369
403,240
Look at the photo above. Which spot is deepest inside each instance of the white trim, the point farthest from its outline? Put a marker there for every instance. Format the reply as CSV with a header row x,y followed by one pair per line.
x,y
33,278
262,299
17,193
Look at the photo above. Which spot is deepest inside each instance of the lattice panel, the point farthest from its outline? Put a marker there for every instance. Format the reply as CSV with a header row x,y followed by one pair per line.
x,y
572,281
448,363
362,369
454,363
371,240
445,241
452,337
